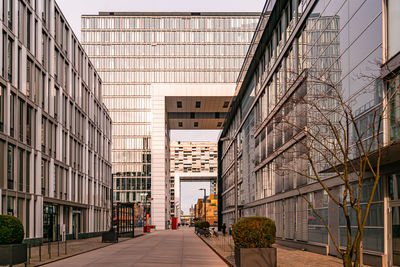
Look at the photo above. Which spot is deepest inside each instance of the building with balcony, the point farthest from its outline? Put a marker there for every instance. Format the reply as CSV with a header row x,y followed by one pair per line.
x,y
55,131
301,49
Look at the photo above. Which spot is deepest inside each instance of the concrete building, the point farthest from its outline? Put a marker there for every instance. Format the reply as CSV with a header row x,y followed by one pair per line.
x,y
55,131
158,63
191,162
300,40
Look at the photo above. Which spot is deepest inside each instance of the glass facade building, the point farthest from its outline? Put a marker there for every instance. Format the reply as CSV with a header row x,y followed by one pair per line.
x,y
55,131
132,51
352,45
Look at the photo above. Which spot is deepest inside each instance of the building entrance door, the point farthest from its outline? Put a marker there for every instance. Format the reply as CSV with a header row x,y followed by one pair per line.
x,y
50,223
76,224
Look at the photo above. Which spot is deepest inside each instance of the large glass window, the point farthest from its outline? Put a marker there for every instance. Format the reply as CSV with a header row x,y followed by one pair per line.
x,y
373,231
393,27
317,231
394,108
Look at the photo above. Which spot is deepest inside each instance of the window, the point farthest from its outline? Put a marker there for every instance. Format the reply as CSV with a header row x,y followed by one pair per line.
x,y
28,171
12,118
394,108
2,96
28,30
179,104
21,170
226,104
28,124
19,68
43,134
43,177
21,120
56,95
393,27
28,77
10,167
10,13
4,54
9,59
198,104
196,124
180,124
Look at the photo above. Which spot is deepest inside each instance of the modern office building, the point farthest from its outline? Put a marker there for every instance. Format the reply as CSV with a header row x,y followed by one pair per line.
x,y
352,45
191,162
154,64
55,132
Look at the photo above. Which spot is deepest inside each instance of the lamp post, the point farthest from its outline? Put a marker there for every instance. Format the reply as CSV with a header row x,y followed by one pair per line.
x,y
205,203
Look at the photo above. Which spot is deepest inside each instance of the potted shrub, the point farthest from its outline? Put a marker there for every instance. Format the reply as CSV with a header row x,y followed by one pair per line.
x,y
253,239
12,251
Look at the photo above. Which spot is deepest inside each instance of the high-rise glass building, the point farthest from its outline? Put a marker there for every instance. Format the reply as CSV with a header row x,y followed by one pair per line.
x,y
55,131
310,50
133,51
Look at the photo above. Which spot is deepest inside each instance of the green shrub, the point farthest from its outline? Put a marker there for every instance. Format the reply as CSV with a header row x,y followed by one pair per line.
x,y
254,232
11,230
202,224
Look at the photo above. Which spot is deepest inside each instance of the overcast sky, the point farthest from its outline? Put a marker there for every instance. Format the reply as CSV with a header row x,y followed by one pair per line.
x,y
73,9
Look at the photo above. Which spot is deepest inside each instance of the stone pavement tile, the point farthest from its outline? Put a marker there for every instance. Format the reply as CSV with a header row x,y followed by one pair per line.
x,y
160,248
155,265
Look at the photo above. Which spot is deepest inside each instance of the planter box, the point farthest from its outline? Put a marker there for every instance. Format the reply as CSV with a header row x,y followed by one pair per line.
x,y
13,254
255,257
109,237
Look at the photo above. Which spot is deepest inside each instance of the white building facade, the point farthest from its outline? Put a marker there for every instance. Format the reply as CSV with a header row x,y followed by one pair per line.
x,y
55,132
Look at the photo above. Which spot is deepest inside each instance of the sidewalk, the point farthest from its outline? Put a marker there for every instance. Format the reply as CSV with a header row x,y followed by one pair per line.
x,y
287,257
54,251
169,248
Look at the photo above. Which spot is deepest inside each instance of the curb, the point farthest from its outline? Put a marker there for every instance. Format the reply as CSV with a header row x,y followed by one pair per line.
x,y
216,252
83,252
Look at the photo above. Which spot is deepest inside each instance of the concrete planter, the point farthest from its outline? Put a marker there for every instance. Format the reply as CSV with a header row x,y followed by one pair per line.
x,y
110,237
13,254
255,257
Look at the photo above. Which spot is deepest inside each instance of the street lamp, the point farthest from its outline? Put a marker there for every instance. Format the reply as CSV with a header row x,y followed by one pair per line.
x,y
205,203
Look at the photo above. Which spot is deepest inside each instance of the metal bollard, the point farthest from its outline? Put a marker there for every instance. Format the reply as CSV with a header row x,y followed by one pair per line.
x,y
58,248
29,259
40,252
49,249
65,246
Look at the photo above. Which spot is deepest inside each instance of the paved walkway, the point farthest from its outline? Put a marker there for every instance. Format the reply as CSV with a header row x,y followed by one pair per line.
x,y
162,248
287,257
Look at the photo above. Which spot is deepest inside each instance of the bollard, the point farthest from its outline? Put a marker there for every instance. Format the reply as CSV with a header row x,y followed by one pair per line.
x,y
58,248
49,249
29,260
65,246
40,252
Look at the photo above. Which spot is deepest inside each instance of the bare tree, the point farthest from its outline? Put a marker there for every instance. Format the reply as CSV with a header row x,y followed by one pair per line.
x,y
335,142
